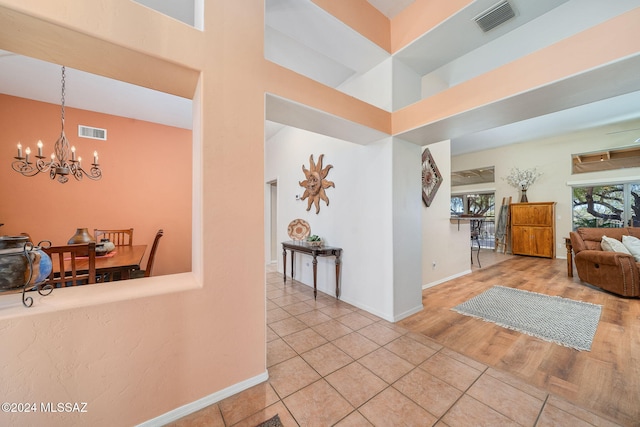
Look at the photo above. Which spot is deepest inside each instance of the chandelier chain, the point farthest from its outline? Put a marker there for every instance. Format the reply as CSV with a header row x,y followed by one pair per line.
x,y
62,96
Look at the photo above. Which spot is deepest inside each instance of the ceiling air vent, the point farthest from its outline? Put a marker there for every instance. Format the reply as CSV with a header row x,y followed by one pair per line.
x,y
92,133
494,16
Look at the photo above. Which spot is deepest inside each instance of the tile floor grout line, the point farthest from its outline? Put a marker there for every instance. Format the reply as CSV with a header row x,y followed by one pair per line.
x,y
417,403
464,392
396,381
544,404
485,372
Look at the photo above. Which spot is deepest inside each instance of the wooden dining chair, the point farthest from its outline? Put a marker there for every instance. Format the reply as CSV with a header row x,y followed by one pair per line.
x,y
137,274
67,258
117,237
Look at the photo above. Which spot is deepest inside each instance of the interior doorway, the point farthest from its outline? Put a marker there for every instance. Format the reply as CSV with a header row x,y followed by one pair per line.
x,y
273,221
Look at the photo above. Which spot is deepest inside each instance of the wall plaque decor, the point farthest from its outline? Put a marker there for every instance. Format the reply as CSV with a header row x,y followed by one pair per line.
x,y
431,178
315,183
298,229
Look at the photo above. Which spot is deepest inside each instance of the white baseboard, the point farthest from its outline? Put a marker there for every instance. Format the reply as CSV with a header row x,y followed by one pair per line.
x,y
384,316
216,397
367,309
446,279
408,313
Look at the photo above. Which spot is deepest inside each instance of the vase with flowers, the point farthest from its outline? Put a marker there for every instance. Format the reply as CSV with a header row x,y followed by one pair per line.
x,y
522,179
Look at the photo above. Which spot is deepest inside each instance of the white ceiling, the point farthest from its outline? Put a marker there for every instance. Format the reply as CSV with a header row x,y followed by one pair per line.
x,y
34,79
308,40
314,43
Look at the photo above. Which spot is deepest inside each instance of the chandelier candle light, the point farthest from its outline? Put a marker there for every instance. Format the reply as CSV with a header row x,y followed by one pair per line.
x,y
522,180
60,165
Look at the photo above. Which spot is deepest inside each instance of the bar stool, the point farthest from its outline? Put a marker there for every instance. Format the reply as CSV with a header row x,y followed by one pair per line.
x,y
476,228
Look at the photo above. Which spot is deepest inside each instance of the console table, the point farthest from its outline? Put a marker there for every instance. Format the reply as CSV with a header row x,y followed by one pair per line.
x,y
314,251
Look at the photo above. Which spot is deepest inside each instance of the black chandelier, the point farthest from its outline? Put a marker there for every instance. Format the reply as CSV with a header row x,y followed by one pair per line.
x,y
60,166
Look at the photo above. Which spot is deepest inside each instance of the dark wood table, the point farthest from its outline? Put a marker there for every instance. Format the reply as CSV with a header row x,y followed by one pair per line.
x,y
125,259
314,251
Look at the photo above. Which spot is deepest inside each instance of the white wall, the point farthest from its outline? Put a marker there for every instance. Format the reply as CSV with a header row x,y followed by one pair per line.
x,y
406,85
373,87
291,53
552,156
432,84
359,218
444,243
407,224
182,10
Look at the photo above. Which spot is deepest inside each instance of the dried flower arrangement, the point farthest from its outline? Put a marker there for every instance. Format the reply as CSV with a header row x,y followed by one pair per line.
x,y
522,179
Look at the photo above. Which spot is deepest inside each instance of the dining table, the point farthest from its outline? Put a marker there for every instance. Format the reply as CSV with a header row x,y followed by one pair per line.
x,y
123,260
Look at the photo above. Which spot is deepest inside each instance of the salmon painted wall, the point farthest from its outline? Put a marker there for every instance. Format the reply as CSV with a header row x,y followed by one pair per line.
x,y
362,17
146,169
392,35
296,87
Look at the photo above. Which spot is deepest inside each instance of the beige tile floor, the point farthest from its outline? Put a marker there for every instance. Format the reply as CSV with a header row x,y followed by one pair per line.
x,y
332,364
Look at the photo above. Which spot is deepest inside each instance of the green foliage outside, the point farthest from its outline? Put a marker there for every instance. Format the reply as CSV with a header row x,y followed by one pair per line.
x,y
604,206
477,204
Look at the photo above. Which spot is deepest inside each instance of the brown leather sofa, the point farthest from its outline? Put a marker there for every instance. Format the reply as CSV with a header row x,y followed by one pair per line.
x,y
612,271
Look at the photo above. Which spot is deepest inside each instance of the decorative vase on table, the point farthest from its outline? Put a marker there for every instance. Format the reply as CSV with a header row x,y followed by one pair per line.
x,y
21,264
523,198
82,236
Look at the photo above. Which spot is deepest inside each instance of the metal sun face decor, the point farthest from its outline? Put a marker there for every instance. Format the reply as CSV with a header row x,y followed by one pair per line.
x,y
315,183
431,177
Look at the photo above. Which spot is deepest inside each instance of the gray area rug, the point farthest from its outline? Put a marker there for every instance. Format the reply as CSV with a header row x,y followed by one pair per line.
x,y
555,319
272,422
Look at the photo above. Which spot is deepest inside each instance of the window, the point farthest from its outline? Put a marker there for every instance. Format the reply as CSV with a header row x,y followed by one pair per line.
x,y
620,158
473,204
457,205
473,176
606,206
479,204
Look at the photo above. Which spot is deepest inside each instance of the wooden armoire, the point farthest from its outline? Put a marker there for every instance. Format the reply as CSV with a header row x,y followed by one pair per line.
x,y
533,229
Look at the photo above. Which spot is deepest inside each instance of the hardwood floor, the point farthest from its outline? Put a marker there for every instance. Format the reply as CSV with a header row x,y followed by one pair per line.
x,y
605,379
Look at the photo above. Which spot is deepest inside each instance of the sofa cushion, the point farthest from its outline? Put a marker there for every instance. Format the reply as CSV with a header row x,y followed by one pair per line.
x,y
633,245
592,237
612,245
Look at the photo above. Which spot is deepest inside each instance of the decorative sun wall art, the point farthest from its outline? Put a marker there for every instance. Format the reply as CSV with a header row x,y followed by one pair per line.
x,y
315,183
431,178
